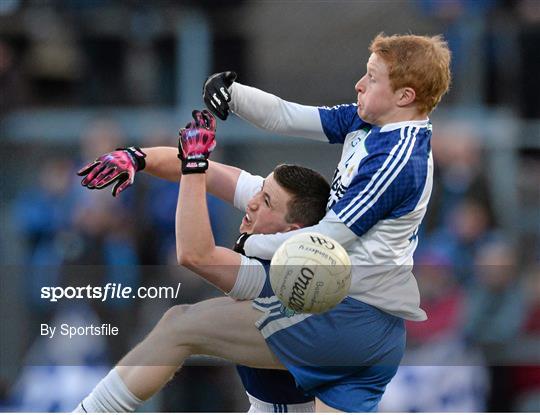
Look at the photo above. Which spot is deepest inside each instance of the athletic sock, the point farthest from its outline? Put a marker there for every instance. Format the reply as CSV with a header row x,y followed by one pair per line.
x,y
110,395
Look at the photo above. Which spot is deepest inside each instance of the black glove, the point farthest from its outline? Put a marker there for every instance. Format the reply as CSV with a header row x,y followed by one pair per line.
x,y
216,95
240,242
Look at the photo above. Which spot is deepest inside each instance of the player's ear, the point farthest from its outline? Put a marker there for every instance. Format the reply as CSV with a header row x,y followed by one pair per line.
x,y
405,96
293,227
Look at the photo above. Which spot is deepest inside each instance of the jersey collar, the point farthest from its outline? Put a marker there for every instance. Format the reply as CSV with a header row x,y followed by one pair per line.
x,y
397,125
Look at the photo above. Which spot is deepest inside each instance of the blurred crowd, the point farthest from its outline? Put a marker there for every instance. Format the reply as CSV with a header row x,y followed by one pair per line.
x,y
480,284
52,53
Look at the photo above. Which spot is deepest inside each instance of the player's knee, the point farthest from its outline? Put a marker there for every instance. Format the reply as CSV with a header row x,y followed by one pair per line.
x,y
171,320
173,316
176,326
175,312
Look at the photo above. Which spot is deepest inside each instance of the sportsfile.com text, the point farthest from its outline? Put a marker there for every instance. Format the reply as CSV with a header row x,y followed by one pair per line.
x,y
110,291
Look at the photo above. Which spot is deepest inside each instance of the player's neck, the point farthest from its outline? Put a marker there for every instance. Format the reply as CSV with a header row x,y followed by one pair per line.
x,y
402,115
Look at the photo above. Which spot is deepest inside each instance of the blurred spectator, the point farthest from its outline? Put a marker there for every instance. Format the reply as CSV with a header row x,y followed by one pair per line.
x,y
458,173
495,309
442,299
495,313
42,217
468,229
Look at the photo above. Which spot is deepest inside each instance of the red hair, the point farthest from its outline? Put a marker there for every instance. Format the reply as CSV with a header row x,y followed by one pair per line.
x,y
419,62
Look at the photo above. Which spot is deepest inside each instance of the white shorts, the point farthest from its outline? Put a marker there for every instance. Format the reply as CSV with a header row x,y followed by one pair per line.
x,y
258,406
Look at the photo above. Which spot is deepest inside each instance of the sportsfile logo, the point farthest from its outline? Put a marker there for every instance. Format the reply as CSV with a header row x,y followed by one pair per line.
x,y
110,291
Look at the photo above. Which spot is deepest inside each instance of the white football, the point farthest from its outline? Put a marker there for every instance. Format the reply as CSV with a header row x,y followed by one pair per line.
x,y
310,273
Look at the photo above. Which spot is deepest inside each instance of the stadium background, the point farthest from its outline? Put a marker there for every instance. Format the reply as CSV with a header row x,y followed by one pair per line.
x,y
79,78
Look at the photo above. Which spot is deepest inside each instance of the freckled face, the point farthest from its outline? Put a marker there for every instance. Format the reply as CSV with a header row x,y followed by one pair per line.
x,y
375,95
267,209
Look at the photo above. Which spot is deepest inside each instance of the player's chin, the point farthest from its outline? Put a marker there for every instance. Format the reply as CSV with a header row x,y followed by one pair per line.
x,y
365,116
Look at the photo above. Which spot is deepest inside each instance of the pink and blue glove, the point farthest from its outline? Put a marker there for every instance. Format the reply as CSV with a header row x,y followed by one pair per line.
x,y
118,168
196,142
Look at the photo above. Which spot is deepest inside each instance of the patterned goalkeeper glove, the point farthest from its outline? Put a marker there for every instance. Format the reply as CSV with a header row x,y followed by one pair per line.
x,y
118,168
196,142
216,94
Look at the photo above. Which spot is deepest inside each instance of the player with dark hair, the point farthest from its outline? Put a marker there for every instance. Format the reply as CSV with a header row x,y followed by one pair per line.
x,y
305,193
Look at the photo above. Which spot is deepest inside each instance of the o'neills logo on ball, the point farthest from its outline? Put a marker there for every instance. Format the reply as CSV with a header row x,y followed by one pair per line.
x,y
296,302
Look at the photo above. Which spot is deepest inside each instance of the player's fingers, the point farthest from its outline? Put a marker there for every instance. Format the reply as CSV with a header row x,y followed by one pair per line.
x,y
98,168
121,184
182,149
104,178
83,171
198,117
209,119
215,108
211,105
189,125
220,98
230,77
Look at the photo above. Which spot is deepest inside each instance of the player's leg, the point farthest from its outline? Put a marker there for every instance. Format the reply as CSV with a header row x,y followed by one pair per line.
x,y
219,327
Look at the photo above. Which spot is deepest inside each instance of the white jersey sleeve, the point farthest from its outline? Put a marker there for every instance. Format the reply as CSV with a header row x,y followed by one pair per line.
x,y
246,186
264,246
272,113
249,281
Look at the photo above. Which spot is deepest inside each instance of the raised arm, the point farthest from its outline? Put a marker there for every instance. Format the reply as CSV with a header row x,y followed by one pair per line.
x,y
118,168
274,114
221,178
195,245
260,108
196,248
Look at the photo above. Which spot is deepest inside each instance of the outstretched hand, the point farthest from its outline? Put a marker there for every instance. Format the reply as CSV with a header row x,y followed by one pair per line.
x,y
197,140
216,93
117,168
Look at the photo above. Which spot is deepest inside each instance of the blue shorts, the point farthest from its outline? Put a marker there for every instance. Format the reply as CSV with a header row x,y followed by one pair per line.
x,y
345,357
